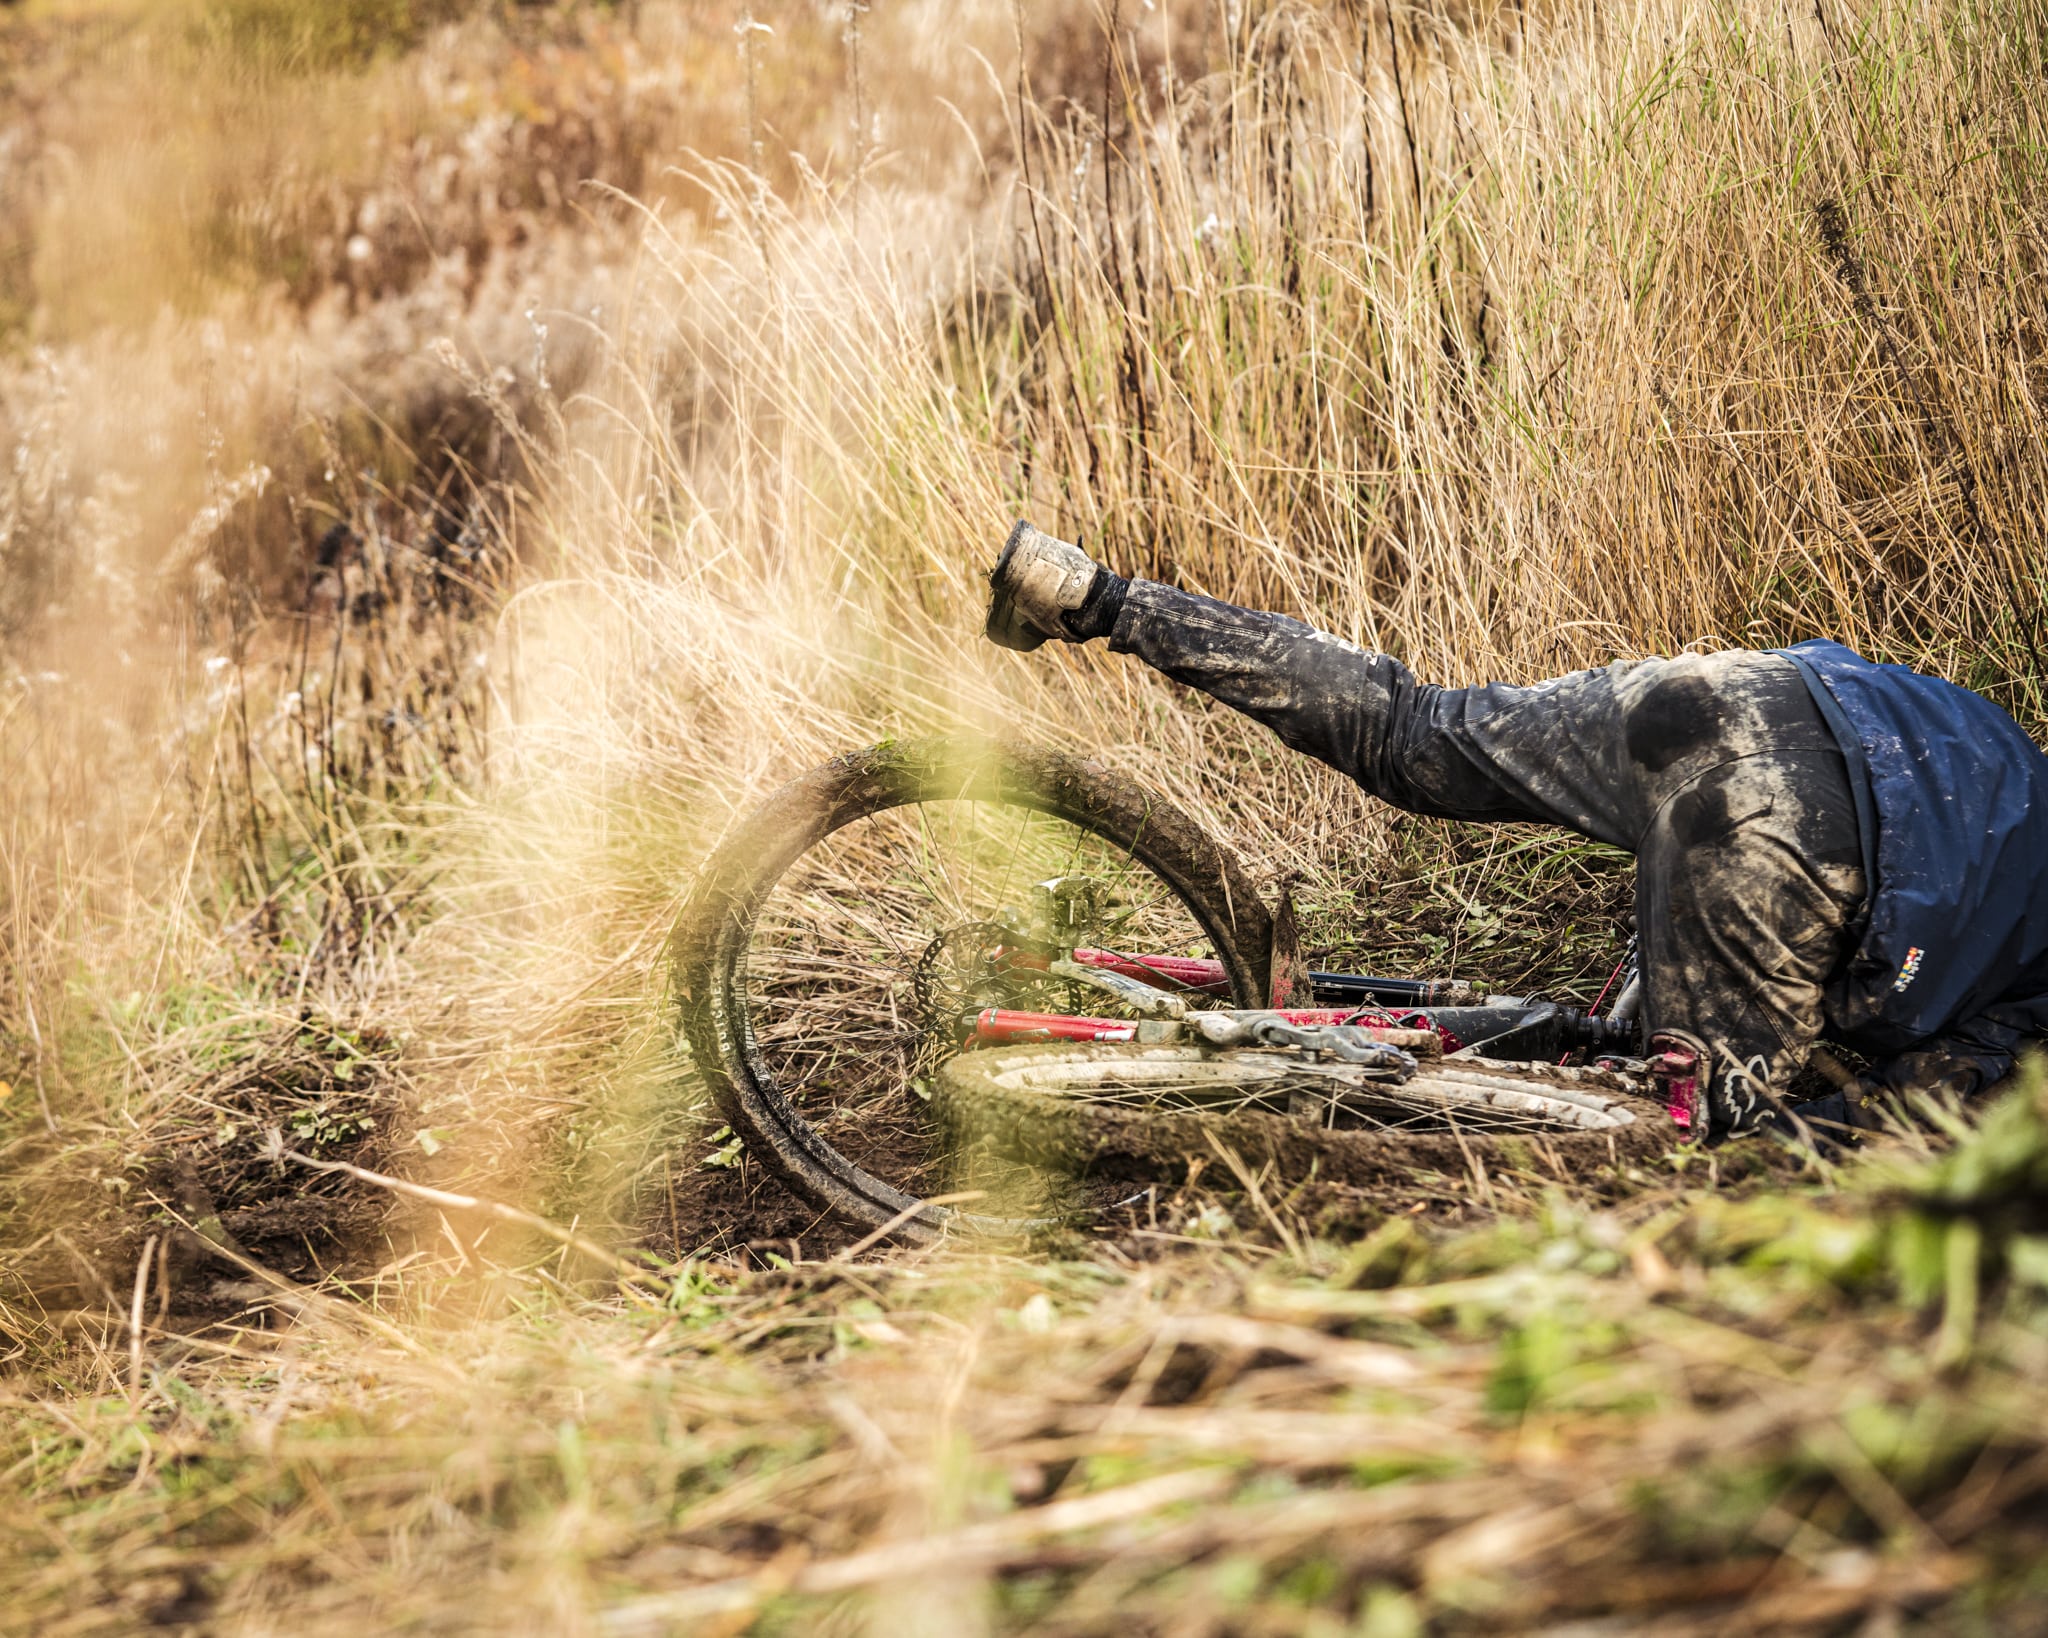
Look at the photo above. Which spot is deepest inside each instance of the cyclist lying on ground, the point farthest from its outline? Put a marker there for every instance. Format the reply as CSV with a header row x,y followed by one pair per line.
x,y
1825,846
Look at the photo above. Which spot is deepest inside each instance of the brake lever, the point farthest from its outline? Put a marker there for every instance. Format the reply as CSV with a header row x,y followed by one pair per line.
x,y
1133,993
1345,1042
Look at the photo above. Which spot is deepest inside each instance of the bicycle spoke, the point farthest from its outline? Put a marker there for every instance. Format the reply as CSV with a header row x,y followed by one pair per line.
x,y
844,945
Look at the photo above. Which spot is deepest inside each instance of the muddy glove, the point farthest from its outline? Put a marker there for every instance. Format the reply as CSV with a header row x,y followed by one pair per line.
x,y
1961,1062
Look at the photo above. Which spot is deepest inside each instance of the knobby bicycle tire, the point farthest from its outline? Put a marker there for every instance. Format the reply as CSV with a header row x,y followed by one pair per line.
x,y
708,951
1143,1112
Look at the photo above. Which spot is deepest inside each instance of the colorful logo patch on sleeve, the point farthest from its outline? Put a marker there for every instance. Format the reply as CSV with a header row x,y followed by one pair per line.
x,y
1909,969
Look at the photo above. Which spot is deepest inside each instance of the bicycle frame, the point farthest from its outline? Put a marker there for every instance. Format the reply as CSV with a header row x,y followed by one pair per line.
x,y
1501,1027
1206,977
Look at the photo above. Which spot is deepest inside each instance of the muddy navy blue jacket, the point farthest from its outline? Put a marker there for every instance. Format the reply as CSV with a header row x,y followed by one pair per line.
x,y
1952,801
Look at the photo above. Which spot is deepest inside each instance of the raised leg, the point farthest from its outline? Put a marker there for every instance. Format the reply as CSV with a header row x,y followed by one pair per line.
x,y
1541,753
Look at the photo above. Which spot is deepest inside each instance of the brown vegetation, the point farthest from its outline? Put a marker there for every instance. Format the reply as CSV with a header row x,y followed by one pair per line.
x,y
454,459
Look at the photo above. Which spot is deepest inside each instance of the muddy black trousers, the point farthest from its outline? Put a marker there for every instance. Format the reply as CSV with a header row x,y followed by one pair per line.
x,y
1715,770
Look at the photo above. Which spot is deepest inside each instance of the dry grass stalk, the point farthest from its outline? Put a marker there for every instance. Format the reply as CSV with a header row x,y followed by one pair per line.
x,y
1511,338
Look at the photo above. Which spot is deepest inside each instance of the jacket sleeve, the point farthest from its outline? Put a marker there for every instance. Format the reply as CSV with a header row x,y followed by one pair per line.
x,y
1966,1058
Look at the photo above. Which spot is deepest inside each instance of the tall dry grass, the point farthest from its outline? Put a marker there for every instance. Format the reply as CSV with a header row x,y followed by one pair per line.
x,y
1507,340
391,630
302,336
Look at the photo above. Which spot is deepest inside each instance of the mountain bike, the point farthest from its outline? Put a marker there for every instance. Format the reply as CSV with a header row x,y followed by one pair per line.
x,y
957,966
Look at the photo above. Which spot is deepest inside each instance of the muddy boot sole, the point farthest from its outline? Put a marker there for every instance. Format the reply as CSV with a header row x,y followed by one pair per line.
x,y
1007,627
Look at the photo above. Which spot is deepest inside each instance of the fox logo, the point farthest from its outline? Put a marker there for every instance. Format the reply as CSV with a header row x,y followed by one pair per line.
x,y
1909,969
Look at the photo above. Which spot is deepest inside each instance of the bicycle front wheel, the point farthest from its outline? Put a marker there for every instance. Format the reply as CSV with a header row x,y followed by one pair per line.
x,y
841,939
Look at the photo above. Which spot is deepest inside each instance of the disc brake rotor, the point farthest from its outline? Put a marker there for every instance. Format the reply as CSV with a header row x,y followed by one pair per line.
x,y
962,971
